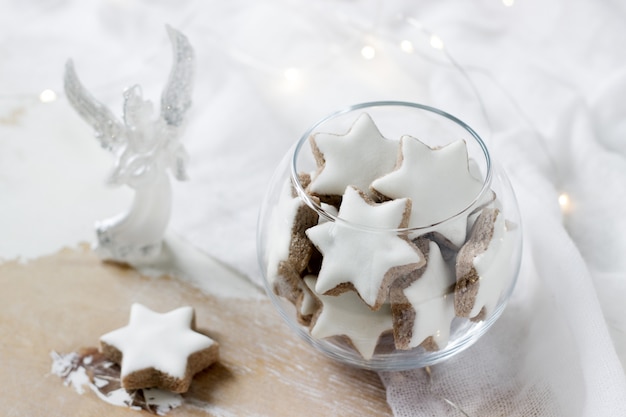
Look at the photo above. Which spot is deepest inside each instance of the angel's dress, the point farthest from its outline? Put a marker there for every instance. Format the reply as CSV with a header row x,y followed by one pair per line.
x,y
135,237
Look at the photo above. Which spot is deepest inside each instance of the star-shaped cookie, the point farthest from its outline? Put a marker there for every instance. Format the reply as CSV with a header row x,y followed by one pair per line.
x,y
288,248
423,310
159,350
483,264
347,315
356,158
364,260
438,182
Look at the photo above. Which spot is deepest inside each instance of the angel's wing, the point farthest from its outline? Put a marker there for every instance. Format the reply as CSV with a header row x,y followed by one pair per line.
x,y
176,96
108,129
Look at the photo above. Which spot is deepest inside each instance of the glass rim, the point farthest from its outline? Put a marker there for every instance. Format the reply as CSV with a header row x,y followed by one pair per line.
x,y
421,229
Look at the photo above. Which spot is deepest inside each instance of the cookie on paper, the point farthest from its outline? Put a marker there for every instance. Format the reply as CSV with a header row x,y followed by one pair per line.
x,y
159,350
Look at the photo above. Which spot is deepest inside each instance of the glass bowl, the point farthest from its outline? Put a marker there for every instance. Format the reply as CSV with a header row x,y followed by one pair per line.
x,y
388,238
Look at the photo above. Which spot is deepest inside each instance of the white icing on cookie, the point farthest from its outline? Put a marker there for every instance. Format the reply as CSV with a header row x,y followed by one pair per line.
x,y
493,266
160,341
67,366
359,257
438,182
432,298
308,304
332,210
356,158
82,372
347,315
281,223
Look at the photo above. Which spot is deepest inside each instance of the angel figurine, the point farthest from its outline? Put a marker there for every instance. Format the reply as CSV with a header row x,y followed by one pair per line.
x,y
146,150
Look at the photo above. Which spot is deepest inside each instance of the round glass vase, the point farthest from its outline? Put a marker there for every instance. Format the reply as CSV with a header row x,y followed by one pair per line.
x,y
390,312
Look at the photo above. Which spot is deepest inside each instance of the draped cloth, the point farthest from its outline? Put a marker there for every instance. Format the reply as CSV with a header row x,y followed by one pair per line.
x,y
543,82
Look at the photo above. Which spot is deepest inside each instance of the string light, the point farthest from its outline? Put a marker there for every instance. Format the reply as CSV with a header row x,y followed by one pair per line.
x,y
292,74
368,52
407,46
565,202
292,80
436,42
47,96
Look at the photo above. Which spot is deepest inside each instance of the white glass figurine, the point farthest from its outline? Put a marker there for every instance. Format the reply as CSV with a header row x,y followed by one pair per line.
x,y
145,149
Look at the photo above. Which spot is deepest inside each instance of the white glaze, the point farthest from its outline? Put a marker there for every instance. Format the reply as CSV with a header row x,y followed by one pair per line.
x,y
332,210
347,315
160,341
308,304
66,367
356,158
362,257
432,299
493,266
439,183
163,400
119,397
281,225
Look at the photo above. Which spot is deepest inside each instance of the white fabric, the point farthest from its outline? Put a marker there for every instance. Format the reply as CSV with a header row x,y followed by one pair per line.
x,y
552,79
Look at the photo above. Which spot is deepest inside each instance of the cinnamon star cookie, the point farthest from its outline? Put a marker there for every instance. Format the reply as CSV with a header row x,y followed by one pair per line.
x,y
159,350
439,183
355,158
361,259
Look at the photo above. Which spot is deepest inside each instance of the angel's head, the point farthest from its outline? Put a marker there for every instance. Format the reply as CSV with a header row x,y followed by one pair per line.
x,y
151,145
146,145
